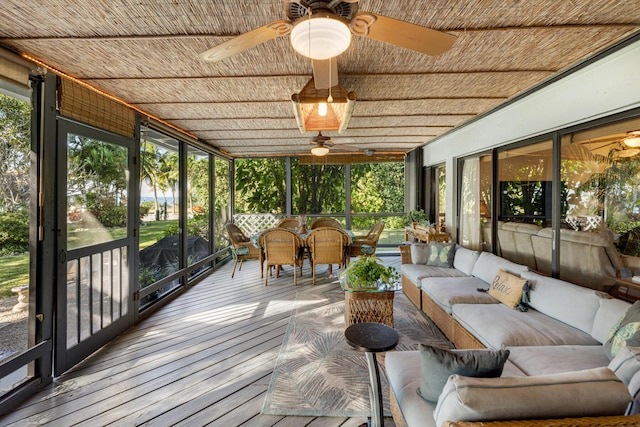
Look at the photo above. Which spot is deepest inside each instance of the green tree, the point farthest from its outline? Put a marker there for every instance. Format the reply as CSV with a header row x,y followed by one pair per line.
x,y
15,145
260,186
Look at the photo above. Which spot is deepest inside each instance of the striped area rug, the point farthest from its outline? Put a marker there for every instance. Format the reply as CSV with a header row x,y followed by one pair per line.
x,y
318,374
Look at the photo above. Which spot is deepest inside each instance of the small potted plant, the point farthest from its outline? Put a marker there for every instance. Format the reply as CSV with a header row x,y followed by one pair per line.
x,y
414,217
369,272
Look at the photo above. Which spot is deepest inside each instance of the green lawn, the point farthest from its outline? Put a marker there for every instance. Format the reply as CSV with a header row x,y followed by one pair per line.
x,y
14,270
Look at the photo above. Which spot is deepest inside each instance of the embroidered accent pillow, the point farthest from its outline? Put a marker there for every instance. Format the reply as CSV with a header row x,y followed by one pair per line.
x,y
441,254
507,288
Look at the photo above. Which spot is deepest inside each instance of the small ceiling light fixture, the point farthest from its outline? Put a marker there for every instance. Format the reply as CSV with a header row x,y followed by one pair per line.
x,y
319,150
633,139
322,36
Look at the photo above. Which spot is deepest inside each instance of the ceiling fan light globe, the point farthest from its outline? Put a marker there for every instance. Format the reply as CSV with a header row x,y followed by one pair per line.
x,y
320,151
328,37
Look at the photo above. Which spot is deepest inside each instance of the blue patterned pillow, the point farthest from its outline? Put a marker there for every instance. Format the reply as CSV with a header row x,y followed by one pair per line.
x,y
441,254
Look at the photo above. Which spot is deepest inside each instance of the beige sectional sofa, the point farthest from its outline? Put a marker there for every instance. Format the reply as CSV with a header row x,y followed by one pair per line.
x,y
558,339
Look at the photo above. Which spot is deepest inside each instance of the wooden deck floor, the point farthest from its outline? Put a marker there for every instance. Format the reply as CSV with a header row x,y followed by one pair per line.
x,y
204,359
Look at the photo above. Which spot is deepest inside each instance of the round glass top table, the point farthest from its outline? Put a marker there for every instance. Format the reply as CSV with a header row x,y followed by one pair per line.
x,y
372,338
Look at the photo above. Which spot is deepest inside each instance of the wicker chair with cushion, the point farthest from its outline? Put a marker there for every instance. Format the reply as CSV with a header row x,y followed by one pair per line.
x,y
281,247
325,222
366,245
327,245
243,249
289,223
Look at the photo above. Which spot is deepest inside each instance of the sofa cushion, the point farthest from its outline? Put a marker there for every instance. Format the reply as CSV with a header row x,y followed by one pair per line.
x,y
553,359
507,288
416,272
447,291
626,363
419,253
626,332
594,392
438,364
487,265
441,254
497,326
401,368
464,259
608,314
564,301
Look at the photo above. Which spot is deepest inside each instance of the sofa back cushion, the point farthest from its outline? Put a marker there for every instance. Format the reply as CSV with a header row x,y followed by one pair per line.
x,y
487,266
609,313
593,392
571,304
464,259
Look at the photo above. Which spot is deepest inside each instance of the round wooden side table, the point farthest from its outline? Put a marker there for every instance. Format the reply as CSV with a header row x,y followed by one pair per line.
x,y
372,338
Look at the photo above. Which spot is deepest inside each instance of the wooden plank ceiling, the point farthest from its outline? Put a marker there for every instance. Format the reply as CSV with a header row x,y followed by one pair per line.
x,y
146,53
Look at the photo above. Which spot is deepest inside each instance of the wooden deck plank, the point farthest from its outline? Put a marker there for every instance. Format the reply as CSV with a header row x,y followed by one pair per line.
x,y
206,357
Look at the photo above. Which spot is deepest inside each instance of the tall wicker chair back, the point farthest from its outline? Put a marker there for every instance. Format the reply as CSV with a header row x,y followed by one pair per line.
x,y
288,223
325,222
243,249
281,247
366,245
327,245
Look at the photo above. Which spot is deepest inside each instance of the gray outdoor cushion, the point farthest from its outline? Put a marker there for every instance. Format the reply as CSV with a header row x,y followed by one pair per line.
x,y
498,326
553,359
447,291
610,311
416,272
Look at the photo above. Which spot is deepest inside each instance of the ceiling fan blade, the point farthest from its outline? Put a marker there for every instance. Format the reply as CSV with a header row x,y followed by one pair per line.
x,y
401,33
325,73
246,41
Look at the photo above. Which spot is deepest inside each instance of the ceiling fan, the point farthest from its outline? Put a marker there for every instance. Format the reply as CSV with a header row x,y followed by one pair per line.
x,y
322,30
619,145
322,145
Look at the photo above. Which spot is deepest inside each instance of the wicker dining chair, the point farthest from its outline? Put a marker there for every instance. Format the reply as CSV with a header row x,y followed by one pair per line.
x,y
327,245
243,249
366,245
325,222
289,223
281,247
